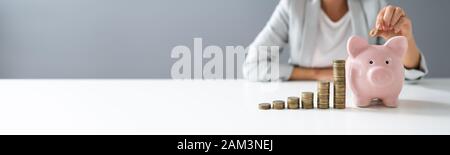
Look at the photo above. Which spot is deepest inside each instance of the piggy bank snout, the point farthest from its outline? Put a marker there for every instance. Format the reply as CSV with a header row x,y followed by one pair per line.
x,y
380,77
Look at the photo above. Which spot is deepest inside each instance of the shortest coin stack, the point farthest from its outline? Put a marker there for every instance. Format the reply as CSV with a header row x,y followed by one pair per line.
x,y
323,94
293,102
265,106
278,105
307,100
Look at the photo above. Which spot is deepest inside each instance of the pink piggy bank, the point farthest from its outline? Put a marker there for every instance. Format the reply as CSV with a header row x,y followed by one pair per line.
x,y
375,72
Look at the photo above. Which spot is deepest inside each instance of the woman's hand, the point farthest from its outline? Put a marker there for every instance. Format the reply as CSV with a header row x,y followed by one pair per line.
x,y
393,21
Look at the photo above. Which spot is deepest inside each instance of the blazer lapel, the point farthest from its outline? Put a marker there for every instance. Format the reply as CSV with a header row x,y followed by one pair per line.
x,y
359,20
311,23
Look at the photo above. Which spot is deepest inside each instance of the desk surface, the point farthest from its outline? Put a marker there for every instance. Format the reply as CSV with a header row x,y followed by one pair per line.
x,y
206,107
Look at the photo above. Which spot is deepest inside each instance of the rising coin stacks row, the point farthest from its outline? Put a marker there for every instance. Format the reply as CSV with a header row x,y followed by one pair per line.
x,y
307,100
339,85
323,94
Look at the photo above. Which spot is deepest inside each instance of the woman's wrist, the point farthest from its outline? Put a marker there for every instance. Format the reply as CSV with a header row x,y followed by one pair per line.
x,y
300,73
412,56
324,74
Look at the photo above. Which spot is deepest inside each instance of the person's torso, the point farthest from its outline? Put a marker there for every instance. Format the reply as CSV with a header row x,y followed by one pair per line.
x,y
331,40
303,22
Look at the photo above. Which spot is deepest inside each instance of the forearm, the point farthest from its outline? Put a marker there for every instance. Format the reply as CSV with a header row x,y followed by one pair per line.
x,y
301,73
412,56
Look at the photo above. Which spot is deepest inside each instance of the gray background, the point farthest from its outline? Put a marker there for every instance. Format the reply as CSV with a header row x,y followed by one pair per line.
x,y
134,38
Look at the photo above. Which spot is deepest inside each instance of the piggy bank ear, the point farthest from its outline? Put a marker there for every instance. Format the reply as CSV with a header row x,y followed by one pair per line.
x,y
356,45
398,44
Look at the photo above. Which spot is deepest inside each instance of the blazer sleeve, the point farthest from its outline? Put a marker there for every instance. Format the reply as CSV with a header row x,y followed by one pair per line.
x,y
258,65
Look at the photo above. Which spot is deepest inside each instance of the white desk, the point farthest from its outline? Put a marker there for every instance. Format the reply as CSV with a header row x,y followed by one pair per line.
x,y
205,107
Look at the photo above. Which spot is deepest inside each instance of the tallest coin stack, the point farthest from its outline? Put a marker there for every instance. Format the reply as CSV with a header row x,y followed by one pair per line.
x,y
339,84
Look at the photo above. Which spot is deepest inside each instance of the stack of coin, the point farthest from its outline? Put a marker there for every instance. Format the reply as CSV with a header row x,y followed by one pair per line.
x,y
293,102
323,94
307,100
278,105
265,106
339,84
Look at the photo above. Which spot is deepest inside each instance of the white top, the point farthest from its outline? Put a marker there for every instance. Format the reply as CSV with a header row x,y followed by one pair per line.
x,y
206,107
331,40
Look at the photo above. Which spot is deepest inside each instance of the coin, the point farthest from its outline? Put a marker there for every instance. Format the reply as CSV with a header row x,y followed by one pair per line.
x,y
265,106
323,94
374,32
278,104
293,102
307,100
339,84
339,106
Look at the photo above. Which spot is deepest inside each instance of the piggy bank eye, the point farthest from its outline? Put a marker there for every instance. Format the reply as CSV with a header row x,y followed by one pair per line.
x,y
370,62
387,62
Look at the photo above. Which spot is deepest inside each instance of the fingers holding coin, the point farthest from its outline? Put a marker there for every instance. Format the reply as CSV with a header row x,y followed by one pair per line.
x,y
390,22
